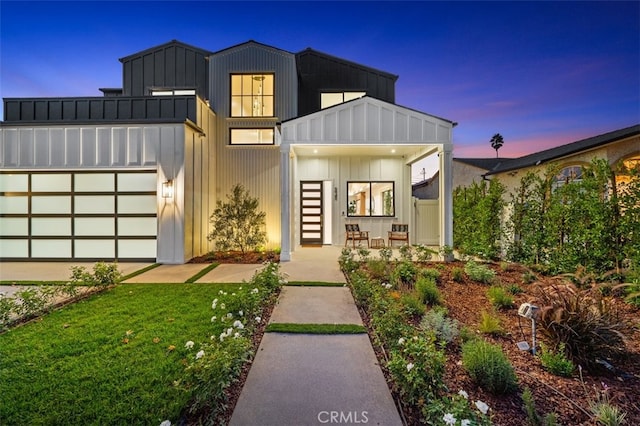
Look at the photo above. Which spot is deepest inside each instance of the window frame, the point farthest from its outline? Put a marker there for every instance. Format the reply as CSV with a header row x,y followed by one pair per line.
x,y
372,199
273,134
250,96
343,94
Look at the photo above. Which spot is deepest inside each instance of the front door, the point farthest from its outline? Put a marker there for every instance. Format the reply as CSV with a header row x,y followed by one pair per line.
x,y
311,213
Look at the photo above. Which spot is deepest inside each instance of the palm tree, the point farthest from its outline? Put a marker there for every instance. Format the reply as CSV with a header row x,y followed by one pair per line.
x,y
496,142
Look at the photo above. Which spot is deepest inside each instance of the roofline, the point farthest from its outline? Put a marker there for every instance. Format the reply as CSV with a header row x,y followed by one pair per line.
x,y
250,42
453,123
153,48
336,58
607,138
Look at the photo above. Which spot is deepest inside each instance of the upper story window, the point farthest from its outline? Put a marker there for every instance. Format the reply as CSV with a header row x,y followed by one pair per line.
x,y
252,136
252,95
330,99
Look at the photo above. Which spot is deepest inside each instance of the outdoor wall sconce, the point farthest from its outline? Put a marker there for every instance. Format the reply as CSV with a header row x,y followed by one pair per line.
x,y
167,189
335,193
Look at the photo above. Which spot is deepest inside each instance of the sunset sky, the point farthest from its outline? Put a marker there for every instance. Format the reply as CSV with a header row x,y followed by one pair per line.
x,y
540,73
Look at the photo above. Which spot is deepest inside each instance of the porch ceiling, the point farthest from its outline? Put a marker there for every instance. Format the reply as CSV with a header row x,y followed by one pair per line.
x,y
411,153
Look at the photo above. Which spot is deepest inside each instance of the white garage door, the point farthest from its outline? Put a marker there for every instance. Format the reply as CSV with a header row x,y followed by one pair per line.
x,y
78,215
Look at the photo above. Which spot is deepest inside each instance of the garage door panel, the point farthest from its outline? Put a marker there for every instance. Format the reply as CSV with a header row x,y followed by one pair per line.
x,y
51,226
51,204
94,226
51,248
94,204
95,249
78,215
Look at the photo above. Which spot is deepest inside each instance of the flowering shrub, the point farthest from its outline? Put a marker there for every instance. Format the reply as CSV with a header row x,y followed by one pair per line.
x,y
218,362
457,410
104,274
417,367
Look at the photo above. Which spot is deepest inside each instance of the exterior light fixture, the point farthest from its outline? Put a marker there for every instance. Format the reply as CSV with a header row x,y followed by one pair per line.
x,y
167,189
527,310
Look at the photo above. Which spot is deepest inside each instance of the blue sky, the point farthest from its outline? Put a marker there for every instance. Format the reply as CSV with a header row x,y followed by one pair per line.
x,y
540,73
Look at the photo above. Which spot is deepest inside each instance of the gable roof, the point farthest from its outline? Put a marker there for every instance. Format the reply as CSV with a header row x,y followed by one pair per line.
x,y
172,43
250,43
551,154
331,58
481,163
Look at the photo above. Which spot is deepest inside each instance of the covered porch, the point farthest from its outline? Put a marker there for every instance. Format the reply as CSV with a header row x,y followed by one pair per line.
x,y
364,147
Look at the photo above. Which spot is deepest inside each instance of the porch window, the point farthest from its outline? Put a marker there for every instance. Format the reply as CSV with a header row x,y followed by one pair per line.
x,y
252,95
371,199
330,99
252,136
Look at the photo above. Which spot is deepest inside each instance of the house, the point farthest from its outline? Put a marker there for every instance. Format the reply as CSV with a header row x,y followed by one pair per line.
x,y
621,148
135,174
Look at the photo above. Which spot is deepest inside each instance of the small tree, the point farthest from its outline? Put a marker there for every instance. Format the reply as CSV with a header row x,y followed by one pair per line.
x,y
238,224
496,142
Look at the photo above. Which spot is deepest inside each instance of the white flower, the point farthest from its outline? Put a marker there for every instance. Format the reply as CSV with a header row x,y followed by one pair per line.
x,y
255,290
229,331
241,313
222,336
401,341
258,319
235,336
238,324
229,315
199,354
484,408
233,294
410,366
223,306
221,292
463,394
214,303
166,423
465,422
449,419
213,318
189,344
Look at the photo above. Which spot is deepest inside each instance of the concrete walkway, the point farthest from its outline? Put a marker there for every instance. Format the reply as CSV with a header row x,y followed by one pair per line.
x,y
308,379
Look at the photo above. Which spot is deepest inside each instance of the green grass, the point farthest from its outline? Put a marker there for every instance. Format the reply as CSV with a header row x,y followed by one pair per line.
x,y
202,273
315,328
74,366
140,271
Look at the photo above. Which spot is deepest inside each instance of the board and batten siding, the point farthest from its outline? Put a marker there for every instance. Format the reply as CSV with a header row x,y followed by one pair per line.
x,y
257,168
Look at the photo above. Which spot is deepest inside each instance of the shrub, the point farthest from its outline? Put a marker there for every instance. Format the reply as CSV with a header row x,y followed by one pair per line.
x,y
489,324
412,305
587,323
424,253
104,274
445,329
364,254
417,367
347,260
515,289
432,273
528,277
377,268
406,253
533,417
404,274
488,366
385,254
479,273
499,297
428,291
389,322
457,274
238,224
556,362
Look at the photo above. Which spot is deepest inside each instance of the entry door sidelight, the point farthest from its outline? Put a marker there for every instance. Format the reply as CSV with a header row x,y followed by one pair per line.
x,y
311,213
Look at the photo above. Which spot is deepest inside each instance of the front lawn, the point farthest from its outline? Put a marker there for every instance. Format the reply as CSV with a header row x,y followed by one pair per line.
x,y
121,357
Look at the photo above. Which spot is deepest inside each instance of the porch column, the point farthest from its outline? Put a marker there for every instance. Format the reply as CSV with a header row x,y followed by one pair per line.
x,y
285,205
446,195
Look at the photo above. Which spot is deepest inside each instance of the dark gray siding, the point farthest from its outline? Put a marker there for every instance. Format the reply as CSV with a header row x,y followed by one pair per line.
x,y
70,110
319,72
172,65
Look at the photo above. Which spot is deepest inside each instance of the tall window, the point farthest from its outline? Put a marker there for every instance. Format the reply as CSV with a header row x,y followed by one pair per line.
x,y
331,99
252,137
371,199
252,95
567,175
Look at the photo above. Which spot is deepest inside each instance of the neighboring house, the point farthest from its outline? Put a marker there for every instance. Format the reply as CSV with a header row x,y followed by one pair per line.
x,y
619,147
136,173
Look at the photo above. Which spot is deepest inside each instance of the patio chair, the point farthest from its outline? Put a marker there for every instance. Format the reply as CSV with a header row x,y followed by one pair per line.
x,y
399,232
355,234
